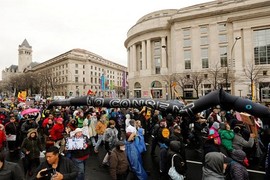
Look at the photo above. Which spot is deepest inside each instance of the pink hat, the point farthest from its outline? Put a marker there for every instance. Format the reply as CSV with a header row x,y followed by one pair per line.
x,y
59,119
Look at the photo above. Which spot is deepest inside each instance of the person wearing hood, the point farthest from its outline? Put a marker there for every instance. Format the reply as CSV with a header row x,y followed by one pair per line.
x,y
134,159
9,170
12,129
119,165
31,147
110,138
176,152
237,168
215,166
56,133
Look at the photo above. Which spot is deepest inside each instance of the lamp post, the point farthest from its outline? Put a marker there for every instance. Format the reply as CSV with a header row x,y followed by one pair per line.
x,y
227,68
240,92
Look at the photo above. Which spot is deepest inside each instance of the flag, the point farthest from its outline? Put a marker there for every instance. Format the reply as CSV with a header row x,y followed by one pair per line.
x,y
111,85
90,92
124,79
102,82
22,96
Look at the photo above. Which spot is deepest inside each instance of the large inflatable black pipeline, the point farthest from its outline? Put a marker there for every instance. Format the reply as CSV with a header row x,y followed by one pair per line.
x,y
218,97
168,106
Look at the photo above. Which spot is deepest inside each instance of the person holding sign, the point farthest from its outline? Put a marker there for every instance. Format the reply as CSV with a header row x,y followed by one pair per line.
x,y
11,131
80,151
164,143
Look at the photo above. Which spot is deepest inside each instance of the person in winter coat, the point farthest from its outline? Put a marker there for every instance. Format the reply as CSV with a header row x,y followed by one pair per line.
x,y
90,123
237,169
179,162
72,124
239,142
134,158
9,170
211,145
30,123
119,165
62,167
11,128
226,136
2,137
214,130
100,129
267,163
79,156
110,138
215,165
56,133
31,147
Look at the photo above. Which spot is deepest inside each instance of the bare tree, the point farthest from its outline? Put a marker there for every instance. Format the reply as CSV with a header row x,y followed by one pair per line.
x,y
215,75
196,79
252,73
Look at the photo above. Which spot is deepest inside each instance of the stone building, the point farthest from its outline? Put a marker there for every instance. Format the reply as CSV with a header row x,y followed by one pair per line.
x,y
24,61
194,50
77,71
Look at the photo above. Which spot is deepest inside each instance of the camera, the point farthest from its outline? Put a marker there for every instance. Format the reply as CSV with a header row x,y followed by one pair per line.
x,y
47,172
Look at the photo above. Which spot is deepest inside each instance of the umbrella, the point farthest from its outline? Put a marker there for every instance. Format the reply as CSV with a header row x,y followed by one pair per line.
x,y
29,111
4,110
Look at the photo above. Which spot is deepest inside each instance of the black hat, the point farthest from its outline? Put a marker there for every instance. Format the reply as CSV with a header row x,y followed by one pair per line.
x,y
120,143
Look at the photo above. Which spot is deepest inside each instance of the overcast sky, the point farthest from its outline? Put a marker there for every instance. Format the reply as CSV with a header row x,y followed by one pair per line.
x,y
53,27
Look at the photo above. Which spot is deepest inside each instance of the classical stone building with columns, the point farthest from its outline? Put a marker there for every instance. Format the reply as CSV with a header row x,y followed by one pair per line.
x,y
191,51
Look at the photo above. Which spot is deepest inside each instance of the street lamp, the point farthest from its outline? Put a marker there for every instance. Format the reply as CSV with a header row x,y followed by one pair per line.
x,y
227,68
240,92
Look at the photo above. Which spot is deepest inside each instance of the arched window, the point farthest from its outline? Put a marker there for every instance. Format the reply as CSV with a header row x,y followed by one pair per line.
x,y
137,85
156,84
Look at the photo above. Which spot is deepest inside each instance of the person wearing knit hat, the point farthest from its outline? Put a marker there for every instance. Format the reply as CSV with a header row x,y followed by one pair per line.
x,y
214,128
237,167
119,164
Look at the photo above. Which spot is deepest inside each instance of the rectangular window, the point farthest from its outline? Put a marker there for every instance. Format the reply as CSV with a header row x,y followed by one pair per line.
x,y
204,40
186,32
187,59
262,46
76,71
223,56
76,65
222,27
222,38
204,56
76,79
203,29
265,73
157,56
187,42
188,94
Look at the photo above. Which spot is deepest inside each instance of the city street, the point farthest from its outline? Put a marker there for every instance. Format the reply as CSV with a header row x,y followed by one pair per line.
x,y
96,172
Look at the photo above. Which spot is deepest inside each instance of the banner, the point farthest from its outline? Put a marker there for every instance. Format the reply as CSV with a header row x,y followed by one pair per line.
x,y
22,96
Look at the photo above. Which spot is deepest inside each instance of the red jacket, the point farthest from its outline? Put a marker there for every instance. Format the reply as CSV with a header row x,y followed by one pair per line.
x,y
57,132
2,139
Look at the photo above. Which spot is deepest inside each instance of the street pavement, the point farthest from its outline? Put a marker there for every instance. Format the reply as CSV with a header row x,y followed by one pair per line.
x,y
94,170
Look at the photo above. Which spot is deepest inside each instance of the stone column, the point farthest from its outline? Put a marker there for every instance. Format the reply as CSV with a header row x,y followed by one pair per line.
x,y
143,56
163,53
148,56
134,58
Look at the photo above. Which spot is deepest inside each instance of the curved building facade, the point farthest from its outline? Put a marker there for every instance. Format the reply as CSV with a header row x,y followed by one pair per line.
x,y
191,51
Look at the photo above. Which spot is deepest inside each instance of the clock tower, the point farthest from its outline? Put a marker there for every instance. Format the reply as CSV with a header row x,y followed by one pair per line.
x,y
25,55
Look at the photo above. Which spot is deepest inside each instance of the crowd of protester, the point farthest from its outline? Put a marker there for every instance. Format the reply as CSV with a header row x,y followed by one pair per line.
x,y
226,144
